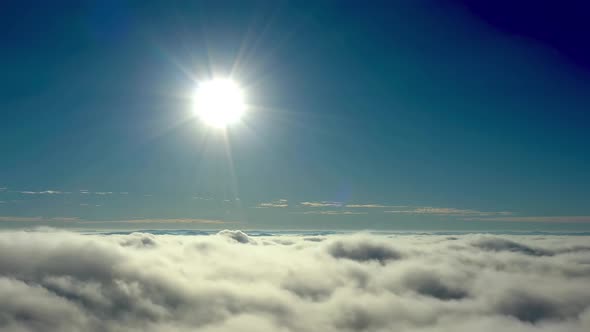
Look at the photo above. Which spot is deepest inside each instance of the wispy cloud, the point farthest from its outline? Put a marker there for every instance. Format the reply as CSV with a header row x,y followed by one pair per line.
x,y
373,206
443,211
399,209
557,219
202,198
58,192
334,212
38,219
174,220
280,203
44,192
321,204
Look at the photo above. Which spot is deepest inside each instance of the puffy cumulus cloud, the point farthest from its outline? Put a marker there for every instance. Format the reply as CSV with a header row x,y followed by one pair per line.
x,y
366,250
499,244
237,236
58,281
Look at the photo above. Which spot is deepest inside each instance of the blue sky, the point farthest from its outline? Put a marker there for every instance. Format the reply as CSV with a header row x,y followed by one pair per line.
x,y
393,115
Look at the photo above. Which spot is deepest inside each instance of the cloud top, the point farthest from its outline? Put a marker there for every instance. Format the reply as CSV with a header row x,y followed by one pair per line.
x,y
230,281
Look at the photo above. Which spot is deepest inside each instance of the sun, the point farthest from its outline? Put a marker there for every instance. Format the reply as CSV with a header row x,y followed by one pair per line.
x,y
219,102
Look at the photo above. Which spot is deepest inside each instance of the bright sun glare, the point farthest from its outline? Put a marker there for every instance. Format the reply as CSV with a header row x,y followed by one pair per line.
x,y
219,102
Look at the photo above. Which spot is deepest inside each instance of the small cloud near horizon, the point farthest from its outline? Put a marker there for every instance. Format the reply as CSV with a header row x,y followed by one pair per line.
x,y
321,204
334,212
38,219
555,219
280,203
172,220
373,206
428,210
44,192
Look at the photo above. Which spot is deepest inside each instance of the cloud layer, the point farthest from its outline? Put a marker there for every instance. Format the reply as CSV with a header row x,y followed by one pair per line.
x,y
58,281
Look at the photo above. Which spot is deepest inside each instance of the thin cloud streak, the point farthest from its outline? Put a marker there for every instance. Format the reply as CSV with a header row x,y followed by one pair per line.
x,y
45,192
555,219
334,212
321,204
38,219
280,203
427,210
171,220
373,206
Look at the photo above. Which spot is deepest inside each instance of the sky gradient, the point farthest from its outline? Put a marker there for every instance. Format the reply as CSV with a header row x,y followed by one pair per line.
x,y
394,115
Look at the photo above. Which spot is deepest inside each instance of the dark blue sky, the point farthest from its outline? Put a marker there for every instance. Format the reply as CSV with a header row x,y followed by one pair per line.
x,y
396,114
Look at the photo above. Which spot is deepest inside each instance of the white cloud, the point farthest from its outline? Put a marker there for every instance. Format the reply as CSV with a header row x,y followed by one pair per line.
x,y
333,212
538,219
172,220
45,192
202,198
56,192
37,219
57,281
444,211
279,203
47,220
237,236
321,204
373,206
